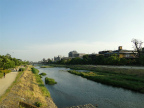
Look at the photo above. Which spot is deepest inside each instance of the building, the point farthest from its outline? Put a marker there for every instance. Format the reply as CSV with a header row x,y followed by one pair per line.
x,y
120,52
75,54
72,54
58,58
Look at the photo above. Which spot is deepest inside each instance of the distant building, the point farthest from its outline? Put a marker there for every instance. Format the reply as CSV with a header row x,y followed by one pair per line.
x,y
75,54
44,60
120,52
57,58
72,54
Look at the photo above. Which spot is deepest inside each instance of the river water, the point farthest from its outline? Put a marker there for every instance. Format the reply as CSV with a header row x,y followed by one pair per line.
x,y
72,90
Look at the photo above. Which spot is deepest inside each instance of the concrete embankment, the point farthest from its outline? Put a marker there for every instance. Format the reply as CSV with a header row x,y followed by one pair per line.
x,y
28,90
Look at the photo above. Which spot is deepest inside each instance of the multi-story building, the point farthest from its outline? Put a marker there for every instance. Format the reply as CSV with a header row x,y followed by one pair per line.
x,y
75,54
72,54
120,52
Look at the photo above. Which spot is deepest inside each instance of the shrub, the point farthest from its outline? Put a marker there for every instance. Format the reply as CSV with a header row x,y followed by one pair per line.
x,y
43,74
40,76
35,71
50,81
38,104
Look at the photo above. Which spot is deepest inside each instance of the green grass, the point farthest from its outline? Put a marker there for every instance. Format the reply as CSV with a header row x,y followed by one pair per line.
x,y
35,71
43,74
44,90
50,81
119,80
46,66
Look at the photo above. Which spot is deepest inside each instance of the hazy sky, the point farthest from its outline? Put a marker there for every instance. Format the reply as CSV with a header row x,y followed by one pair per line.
x,y
36,29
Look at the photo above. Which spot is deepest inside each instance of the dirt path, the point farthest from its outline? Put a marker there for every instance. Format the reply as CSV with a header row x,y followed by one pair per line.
x,y
7,81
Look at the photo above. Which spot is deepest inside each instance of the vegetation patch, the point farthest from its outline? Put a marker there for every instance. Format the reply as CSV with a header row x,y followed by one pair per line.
x,y
50,81
43,74
38,104
127,81
46,66
44,90
34,70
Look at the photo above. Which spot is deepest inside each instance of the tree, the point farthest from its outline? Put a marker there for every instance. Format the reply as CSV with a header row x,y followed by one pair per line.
x,y
113,60
137,47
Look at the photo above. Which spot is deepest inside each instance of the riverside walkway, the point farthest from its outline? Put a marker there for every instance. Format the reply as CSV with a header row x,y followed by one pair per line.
x,y
7,81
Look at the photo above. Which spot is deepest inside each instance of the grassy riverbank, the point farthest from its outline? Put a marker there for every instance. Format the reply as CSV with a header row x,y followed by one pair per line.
x,y
132,79
44,90
28,88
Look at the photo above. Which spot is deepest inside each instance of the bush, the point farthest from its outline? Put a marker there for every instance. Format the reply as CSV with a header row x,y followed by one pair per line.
x,y
38,104
40,76
35,71
43,74
50,81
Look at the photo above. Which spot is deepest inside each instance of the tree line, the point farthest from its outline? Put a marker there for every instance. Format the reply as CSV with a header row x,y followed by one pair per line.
x,y
111,60
6,62
101,60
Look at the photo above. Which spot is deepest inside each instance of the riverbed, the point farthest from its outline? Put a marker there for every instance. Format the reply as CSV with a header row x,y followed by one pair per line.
x,y
72,90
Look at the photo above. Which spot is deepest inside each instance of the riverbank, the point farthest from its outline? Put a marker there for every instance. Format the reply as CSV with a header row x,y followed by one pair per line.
x,y
129,78
27,88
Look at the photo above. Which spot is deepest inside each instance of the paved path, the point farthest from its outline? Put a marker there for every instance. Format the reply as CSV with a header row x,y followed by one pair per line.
x,y
7,81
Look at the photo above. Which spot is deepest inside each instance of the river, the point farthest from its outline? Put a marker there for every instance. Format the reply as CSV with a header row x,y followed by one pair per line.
x,y
72,90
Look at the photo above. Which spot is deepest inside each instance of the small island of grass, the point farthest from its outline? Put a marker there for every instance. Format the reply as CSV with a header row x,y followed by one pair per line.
x,y
46,66
50,81
43,74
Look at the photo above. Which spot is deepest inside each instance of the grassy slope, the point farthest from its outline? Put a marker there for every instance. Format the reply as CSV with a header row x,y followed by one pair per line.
x,y
40,82
29,88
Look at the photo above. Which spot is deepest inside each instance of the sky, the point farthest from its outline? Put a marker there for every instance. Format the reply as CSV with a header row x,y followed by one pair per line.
x,y
36,29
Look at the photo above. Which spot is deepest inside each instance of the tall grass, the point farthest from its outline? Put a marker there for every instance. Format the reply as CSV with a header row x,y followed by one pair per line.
x,y
118,80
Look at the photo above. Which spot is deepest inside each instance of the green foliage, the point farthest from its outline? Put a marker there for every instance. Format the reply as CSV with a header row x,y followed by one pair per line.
x,y
113,60
115,79
46,66
40,76
6,61
43,74
44,90
50,81
38,104
35,71
141,60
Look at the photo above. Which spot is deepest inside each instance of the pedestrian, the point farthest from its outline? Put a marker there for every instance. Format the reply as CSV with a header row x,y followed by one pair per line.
x,y
4,74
